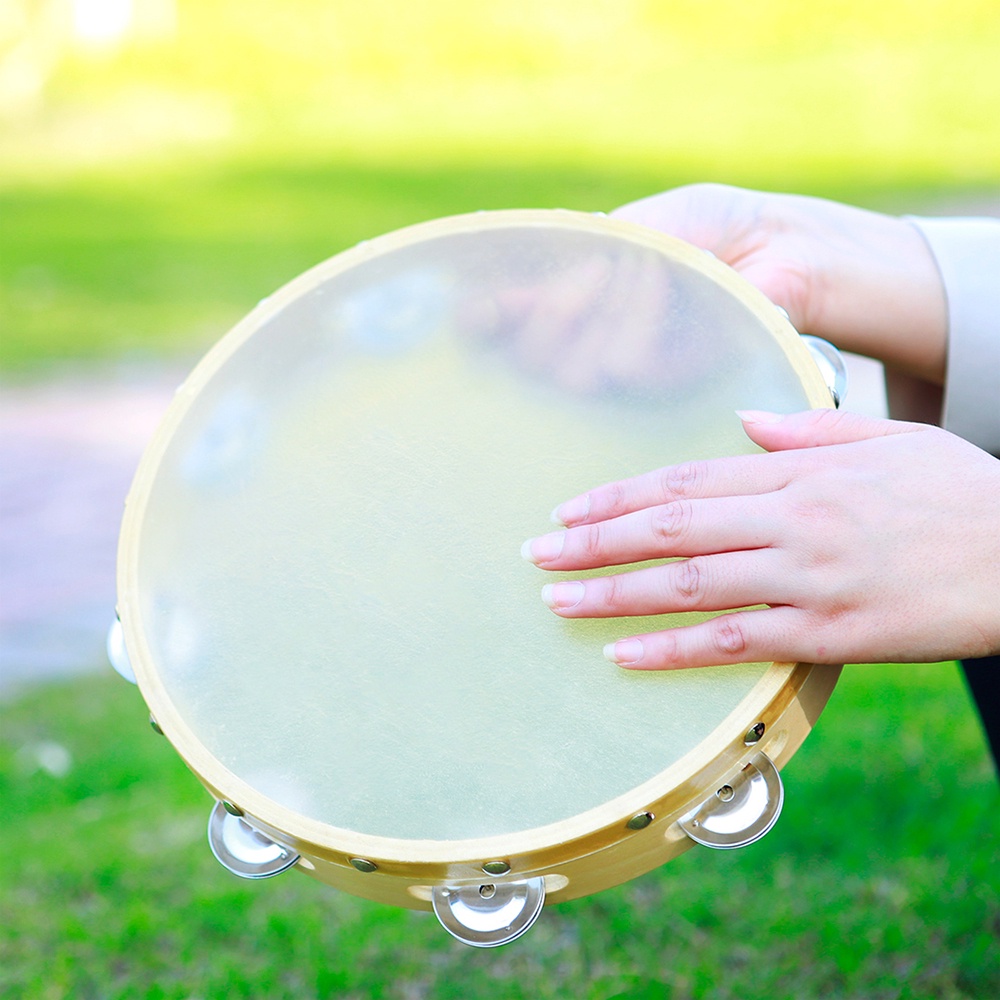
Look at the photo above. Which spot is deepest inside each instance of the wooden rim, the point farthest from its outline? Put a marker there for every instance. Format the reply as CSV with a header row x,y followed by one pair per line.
x,y
322,838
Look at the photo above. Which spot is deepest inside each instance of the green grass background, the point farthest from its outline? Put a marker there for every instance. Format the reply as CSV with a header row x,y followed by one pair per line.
x,y
880,880
150,194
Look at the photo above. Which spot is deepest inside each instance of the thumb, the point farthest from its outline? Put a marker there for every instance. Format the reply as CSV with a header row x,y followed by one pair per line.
x,y
813,428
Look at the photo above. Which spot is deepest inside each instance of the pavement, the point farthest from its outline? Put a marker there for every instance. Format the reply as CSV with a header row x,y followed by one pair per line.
x,y
69,445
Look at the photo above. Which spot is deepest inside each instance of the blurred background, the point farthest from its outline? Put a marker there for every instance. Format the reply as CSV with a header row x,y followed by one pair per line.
x,y
164,164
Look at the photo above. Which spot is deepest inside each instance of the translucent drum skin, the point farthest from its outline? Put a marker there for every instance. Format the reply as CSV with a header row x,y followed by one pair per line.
x,y
321,595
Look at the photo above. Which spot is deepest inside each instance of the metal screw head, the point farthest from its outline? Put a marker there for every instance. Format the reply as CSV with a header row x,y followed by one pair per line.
x,y
754,733
233,810
487,891
364,865
640,821
496,867
726,793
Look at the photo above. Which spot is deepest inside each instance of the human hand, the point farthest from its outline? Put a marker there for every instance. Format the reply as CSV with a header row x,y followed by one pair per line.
x,y
867,540
864,281
588,326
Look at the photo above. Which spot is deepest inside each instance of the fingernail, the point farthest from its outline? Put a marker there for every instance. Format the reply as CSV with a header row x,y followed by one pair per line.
x,y
759,417
562,596
545,548
572,511
624,652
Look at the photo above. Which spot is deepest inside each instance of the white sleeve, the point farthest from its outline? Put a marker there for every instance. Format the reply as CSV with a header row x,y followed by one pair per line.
x,y
967,252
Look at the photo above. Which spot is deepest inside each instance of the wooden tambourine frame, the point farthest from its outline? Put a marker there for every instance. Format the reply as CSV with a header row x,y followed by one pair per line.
x,y
599,848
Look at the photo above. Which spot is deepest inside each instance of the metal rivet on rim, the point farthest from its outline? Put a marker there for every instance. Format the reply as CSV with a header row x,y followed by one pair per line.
x,y
155,726
496,867
640,821
233,810
364,865
754,733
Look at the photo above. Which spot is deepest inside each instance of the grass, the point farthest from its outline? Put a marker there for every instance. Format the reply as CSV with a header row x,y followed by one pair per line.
x,y
151,193
881,879
98,266
157,261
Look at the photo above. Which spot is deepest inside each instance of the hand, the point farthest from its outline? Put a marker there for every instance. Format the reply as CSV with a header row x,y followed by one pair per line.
x,y
867,540
866,282
594,323
557,326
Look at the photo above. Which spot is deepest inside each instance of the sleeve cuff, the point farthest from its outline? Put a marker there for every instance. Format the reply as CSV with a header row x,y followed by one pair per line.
x,y
967,252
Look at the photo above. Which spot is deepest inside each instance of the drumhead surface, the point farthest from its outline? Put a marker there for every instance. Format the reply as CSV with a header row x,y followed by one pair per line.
x,y
320,572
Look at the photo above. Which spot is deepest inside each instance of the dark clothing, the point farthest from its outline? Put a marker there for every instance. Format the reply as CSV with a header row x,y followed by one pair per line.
x,y
983,678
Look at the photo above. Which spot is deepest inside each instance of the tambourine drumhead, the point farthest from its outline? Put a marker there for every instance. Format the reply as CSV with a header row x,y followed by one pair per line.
x,y
319,578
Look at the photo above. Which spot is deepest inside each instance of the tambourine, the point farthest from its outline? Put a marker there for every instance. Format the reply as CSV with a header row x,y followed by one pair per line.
x,y
321,597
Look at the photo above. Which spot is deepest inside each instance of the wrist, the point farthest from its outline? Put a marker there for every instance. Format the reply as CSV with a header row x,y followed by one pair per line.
x,y
882,294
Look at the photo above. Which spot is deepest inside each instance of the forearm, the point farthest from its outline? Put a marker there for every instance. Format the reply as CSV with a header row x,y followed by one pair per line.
x,y
879,292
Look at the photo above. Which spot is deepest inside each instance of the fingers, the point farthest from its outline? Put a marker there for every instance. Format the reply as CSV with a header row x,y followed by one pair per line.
x,y
714,216
679,528
814,428
735,525
634,289
569,326
543,319
704,583
741,475
740,637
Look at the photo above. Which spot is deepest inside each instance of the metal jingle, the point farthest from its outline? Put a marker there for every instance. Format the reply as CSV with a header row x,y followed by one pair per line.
x,y
486,916
831,365
240,849
117,653
746,806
